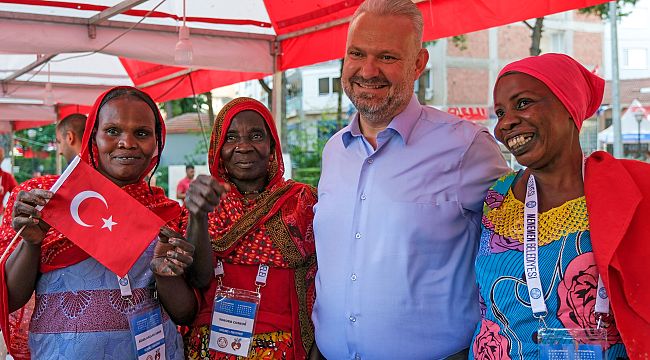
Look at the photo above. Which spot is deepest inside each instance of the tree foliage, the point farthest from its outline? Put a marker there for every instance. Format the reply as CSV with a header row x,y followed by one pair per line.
x,y
306,145
602,10
185,105
460,41
38,141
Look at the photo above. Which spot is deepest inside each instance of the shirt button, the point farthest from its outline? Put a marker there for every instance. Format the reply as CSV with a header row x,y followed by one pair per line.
x,y
353,319
371,160
357,235
363,196
353,277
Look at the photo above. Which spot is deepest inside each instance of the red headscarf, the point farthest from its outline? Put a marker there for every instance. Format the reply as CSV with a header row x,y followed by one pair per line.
x,y
222,123
56,250
92,119
578,89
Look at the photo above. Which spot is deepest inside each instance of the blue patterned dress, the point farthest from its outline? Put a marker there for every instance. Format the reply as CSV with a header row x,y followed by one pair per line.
x,y
568,273
80,314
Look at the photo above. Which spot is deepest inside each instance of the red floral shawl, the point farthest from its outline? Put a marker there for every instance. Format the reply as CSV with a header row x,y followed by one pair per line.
x,y
57,251
283,214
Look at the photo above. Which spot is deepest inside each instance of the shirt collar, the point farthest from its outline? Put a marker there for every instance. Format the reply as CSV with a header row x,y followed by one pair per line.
x,y
403,123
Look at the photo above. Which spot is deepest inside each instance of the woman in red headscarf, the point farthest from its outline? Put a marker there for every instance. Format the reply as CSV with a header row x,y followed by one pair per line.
x,y
79,311
581,235
261,219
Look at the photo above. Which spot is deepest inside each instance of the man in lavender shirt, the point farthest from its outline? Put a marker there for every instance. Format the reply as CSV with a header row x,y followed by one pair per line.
x,y
400,198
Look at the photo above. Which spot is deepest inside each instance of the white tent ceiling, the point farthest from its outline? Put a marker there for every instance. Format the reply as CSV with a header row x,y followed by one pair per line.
x,y
232,40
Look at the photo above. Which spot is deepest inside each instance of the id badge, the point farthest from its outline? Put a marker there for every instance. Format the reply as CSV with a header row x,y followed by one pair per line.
x,y
147,331
572,344
233,320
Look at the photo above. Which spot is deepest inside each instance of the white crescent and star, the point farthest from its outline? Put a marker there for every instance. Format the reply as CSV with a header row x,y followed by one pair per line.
x,y
84,195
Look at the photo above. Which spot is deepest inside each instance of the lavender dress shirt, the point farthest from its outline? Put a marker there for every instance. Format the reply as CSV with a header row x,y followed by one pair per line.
x,y
397,230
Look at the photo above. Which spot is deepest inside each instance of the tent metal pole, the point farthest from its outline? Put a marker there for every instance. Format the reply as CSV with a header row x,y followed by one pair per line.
x,y
40,60
165,78
616,99
114,10
57,157
276,94
276,100
13,147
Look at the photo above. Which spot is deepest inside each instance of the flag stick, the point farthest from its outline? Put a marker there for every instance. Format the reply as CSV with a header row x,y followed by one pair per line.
x,y
11,244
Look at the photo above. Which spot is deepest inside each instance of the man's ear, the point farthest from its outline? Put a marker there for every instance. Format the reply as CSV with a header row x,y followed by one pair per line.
x,y
421,61
70,137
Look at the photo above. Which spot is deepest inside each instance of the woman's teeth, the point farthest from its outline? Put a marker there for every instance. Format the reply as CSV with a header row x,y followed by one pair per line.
x,y
519,141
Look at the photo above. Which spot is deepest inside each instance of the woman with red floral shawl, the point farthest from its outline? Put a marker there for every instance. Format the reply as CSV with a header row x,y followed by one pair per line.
x,y
259,219
78,311
592,222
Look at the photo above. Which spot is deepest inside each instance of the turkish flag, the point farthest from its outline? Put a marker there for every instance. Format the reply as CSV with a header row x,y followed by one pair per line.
x,y
100,218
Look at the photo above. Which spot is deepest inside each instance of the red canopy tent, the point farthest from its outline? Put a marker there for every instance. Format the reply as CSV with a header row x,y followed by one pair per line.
x,y
232,41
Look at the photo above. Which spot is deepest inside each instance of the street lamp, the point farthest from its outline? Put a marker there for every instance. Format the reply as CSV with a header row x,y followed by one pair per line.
x,y
639,115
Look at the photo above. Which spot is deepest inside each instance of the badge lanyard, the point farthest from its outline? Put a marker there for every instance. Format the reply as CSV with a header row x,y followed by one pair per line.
x,y
125,287
234,314
145,324
260,279
531,257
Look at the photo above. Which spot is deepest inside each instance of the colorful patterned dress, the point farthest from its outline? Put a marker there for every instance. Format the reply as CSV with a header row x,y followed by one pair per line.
x,y
80,313
568,273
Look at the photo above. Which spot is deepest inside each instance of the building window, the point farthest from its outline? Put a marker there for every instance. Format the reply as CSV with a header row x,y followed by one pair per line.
x,y
323,86
557,42
635,59
336,85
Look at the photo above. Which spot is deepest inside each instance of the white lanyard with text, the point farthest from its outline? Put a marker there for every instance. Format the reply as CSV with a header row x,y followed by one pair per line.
x,y
531,257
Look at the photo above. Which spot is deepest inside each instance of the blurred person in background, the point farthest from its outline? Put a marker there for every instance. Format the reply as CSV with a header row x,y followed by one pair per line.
x,y
69,132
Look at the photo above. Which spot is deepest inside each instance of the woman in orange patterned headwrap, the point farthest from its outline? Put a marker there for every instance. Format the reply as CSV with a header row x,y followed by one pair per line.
x,y
260,219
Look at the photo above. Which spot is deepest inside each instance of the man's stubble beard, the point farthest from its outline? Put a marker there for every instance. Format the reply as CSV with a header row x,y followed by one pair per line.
x,y
379,112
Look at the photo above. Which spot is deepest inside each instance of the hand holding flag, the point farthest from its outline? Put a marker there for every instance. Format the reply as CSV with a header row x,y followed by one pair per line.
x,y
27,214
172,255
100,218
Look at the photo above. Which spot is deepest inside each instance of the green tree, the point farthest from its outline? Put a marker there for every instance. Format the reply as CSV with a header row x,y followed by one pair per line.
x,y
306,149
186,105
602,10
37,141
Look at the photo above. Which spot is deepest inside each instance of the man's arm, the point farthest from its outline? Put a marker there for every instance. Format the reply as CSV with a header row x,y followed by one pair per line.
x,y
481,166
181,189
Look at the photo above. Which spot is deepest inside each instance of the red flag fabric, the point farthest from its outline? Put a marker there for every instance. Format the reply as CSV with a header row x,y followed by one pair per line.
x,y
100,218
